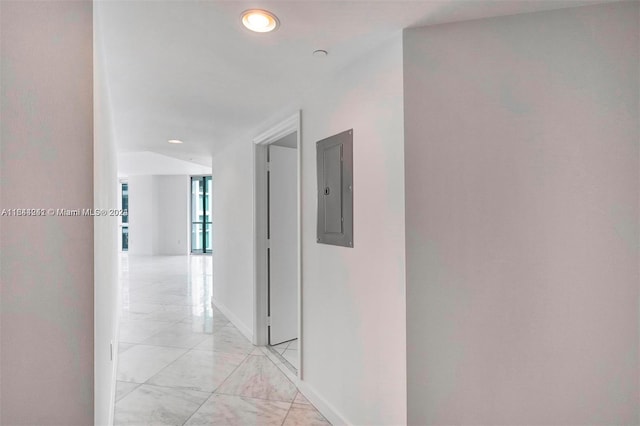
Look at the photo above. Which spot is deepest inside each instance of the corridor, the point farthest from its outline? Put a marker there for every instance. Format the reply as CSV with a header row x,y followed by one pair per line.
x,y
181,362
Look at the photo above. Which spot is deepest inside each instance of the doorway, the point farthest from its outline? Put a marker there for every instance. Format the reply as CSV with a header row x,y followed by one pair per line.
x,y
282,236
277,254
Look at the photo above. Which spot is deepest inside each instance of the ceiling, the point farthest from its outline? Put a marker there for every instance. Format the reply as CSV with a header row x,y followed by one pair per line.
x,y
188,70
152,163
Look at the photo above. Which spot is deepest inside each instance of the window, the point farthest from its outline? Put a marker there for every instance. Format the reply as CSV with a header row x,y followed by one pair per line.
x,y
201,228
125,217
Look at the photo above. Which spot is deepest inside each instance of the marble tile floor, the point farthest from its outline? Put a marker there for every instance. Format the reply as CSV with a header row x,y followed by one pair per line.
x,y
289,352
181,362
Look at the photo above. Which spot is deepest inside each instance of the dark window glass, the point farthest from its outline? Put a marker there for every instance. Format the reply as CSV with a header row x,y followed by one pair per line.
x,y
201,190
125,217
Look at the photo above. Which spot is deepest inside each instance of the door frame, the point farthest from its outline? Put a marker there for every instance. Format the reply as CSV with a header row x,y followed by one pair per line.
x,y
260,145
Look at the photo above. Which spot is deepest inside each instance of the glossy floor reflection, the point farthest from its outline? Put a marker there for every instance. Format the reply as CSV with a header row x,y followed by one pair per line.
x,y
289,353
182,362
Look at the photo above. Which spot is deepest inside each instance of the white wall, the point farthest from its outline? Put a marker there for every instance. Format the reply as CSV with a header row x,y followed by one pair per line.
x,y
143,215
47,281
173,199
159,215
106,284
353,299
522,191
233,232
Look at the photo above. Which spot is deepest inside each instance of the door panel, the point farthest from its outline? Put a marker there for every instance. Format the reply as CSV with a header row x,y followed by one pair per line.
x,y
283,226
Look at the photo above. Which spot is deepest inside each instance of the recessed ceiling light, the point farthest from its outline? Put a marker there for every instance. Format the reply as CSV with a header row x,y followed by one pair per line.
x,y
176,141
320,53
259,21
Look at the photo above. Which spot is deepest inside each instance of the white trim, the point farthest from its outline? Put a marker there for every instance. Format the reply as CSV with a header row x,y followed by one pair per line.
x,y
299,142
275,133
234,319
280,130
113,389
327,410
259,245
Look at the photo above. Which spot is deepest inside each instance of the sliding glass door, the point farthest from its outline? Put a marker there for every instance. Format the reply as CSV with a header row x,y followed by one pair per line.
x,y
201,228
124,224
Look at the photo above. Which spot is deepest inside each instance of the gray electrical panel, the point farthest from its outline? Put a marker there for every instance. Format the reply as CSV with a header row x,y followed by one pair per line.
x,y
335,189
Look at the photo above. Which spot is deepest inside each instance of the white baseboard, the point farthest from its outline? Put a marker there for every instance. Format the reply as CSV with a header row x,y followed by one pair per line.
x,y
248,333
327,410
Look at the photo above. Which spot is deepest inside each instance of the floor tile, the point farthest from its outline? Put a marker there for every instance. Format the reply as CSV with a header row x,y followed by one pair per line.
x,y
124,388
281,347
292,357
130,316
161,299
229,340
122,346
258,377
141,362
288,370
301,399
303,415
206,323
154,405
176,348
179,335
143,308
137,331
170,313
260,350
279,360
239,411
199,370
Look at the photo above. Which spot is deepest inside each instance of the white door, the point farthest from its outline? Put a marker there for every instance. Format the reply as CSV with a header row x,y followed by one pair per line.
x,y
283,244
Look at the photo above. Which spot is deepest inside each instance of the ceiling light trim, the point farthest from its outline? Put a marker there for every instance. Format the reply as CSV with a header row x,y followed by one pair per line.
x,y
259,20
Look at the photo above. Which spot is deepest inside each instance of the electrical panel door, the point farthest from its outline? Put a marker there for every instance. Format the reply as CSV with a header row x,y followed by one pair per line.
x,y
335,189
